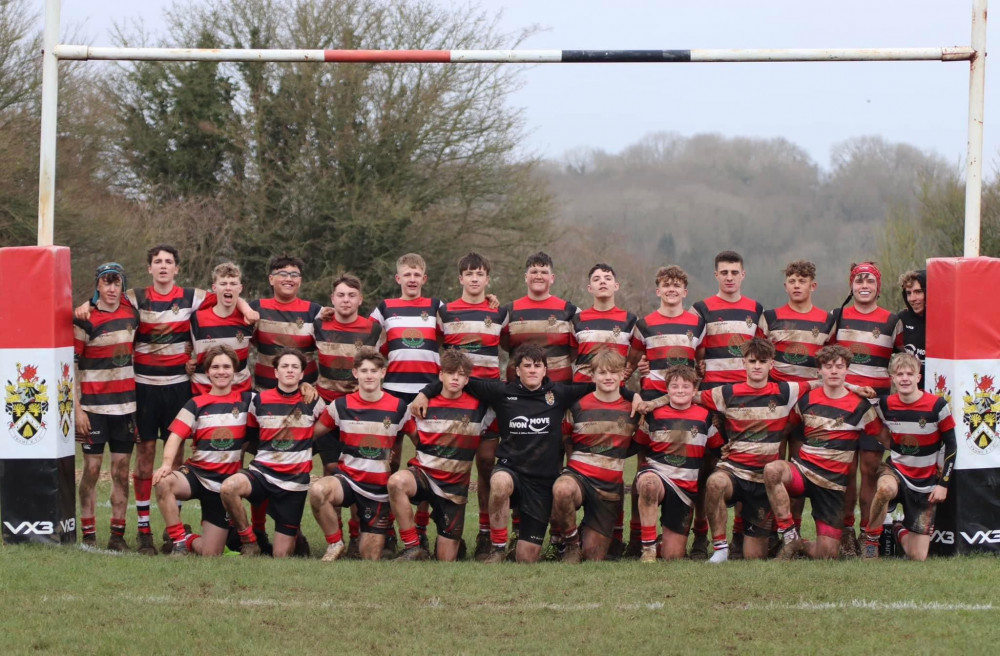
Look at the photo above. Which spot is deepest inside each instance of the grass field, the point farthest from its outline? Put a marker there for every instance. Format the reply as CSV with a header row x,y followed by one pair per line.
x,y
67,600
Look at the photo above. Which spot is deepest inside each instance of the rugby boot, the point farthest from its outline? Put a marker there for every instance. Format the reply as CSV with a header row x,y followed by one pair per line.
x,y
144,544
699,547
180,549
572,554
736,547
648,554
633,550
250,549
869,546
301,546
792,545
89,540
413,553
512,548
496,556
483,547
117,543
551,553
424,542
463,551
389,549
334,551
354,549
168,544
264,542
615,550
848,543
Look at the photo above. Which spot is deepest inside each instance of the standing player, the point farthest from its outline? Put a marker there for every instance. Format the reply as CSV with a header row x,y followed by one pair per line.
x,y
599,430
216,423
914,317
731,320
871,333
604,325
917,425
447,440
474,325
367,423
279,472
833,419
678,437
105,399
222,324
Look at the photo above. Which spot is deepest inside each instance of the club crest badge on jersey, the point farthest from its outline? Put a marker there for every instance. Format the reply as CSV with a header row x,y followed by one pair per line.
x,y
65,399
552,320
236,412
488,322
240,337
815,332
616,331
979,412
386,422
749,321
26,402
424,316
297,414
550,398
176,309
689,335
839,421
299,323
694,432
876,333
772,405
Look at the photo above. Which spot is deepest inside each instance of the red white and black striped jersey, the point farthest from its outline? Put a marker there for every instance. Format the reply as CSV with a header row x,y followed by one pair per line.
x,y
756,419
411,342
919,429
601,434
797,337
285,422
164,337
217,426
367,430
337,343
727,326
675,443
102,349
667,342
447,439
548,323
283,325
475,328
832,429
872,338
596,329
209,329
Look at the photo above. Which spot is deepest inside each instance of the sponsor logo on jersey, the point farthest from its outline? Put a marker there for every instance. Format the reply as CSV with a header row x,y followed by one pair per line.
x,y
861,353
222,439
413,338
796,354
370,447
980,410
26,402
122,355
535,424
735,342
909,445
677,355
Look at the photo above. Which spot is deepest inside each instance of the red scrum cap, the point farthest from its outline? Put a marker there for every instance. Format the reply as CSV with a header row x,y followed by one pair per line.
x,y
867,267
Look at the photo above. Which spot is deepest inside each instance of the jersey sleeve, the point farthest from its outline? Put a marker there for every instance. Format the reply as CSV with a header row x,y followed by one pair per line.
x,y
870,422
897,336
763,326
714,399
638,341
81,335
183,423
946,427
203,300
489,391
329,417
714,440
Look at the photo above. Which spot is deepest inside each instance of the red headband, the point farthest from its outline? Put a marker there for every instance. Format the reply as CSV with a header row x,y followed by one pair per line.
x,y
868,267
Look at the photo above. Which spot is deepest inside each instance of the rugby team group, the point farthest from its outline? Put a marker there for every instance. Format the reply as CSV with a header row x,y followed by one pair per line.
x,y
737,406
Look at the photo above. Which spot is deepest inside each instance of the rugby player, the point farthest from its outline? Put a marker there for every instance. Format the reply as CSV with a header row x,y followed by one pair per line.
x,y
833,419
367,423
279,472
446,440
104,399
917,425
221,324
914,317
216,424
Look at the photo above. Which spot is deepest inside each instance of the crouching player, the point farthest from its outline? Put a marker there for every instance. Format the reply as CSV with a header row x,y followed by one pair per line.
x,y
675,446
599,430
366,423
216,423
447,440
279,472
833,420
917,424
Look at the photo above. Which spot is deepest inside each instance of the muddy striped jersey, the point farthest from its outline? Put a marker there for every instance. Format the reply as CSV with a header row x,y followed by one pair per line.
x,y
475,329
411,342
209,329
163,342
727,326
447,439
756,419
336,345
367,430
797,337
595,329
666,342
285,424
675,442
217,428
283,324
600,433
919,430
872,338
548,323
832,429
102,350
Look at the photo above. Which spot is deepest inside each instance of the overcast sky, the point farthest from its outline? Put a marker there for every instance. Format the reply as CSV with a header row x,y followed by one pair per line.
x,y
610,106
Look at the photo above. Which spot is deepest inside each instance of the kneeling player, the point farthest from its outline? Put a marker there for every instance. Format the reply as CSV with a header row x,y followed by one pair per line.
x,y
279,472
917,423
674,448
216,424
599,431
366,423
833,420
446,441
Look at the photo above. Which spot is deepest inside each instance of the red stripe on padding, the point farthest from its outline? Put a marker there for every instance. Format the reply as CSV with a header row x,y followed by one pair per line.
x,y
962,322
36,294
410,56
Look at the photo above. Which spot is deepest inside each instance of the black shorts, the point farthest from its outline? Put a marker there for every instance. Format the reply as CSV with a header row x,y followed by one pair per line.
x,y
328,447
532,498
827,505
117,431
675,514
600,503
448,516
157,407
918,511
374,515
284,506
758,521
212,510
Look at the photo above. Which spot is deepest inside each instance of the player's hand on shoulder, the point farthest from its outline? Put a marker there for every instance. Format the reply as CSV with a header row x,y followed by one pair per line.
x,y
251,317
82,311
327,313
419,406
309,393
493,301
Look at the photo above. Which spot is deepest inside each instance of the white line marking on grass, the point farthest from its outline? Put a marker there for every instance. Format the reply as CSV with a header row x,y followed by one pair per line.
x,y
876,605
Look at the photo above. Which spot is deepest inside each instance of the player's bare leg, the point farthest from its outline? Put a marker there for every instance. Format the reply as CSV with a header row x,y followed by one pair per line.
x,y
501,488
848,543
119,499
777,475
718,490
594,545
171,489
88,497
211,542
325,498
402,488
870,461
886,489
566,498
485,461
650,492
234,489
699,546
